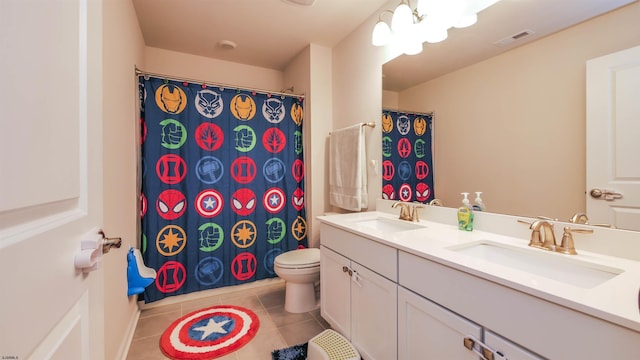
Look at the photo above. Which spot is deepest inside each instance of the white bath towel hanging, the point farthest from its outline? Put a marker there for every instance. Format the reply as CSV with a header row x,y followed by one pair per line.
x,y
347,169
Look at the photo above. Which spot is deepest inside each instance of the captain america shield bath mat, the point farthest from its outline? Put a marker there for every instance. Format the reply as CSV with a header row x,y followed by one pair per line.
x,y
209,333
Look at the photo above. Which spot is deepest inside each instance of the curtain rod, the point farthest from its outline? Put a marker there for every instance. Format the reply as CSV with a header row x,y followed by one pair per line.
x,y
212,83
431,113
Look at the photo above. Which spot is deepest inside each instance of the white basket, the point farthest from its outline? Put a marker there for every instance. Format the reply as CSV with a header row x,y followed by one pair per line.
x,y
329,345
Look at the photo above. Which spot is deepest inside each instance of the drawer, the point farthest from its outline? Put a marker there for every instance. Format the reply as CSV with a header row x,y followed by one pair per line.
x,y
378,257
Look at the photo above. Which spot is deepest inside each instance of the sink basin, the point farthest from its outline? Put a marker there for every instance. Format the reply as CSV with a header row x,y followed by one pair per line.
x,y
389,225
538,262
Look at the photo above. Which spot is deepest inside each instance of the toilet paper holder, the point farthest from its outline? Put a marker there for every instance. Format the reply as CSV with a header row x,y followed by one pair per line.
x,y
92,246
108,243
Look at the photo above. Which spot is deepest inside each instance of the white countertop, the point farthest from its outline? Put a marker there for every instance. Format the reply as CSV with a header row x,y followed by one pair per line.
x,y
615,300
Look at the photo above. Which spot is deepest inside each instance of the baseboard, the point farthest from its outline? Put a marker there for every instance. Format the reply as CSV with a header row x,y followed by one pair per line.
x,y
211,292
128,338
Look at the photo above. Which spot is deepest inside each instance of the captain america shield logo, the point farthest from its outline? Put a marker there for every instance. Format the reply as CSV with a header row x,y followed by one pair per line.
x,y
209,203
209,333
274,200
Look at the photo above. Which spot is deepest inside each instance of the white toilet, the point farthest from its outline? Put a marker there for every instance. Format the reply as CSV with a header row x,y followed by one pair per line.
x,y
300,269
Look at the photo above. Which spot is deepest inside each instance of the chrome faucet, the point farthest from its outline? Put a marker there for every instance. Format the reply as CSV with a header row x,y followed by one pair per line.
x,y
545,240
404,210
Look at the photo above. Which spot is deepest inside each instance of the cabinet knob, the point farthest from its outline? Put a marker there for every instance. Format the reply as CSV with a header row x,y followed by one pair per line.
x,y
468,343
481,349
346,269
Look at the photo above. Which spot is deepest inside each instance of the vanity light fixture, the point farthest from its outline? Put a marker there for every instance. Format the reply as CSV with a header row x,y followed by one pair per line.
x,y
300,2
227,44
428,22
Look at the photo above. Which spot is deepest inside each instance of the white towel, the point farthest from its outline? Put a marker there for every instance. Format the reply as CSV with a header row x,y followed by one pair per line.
x,y
347,169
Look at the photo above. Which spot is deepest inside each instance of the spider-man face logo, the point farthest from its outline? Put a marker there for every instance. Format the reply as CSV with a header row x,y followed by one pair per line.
x,y
243,202
388,192
171,204
298,199
423,192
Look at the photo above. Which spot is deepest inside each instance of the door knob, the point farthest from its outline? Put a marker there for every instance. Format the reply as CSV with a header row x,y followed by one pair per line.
x,y
608,195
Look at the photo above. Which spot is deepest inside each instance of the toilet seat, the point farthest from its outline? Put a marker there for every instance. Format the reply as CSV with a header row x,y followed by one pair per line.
x,y
298,259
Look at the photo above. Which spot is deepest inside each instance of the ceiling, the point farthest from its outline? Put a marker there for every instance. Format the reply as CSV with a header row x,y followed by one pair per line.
x,y
270,33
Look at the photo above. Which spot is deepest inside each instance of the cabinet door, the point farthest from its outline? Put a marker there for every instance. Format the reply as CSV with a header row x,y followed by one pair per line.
x,y
335,291
374,314
429,331
506,348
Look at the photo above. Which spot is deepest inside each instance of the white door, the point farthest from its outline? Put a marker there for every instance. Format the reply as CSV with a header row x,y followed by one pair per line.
x,y
374,314
428,331
613,133
50,178
335,291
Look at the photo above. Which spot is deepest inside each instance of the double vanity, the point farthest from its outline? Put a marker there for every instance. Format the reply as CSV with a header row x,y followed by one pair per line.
x,y
399,289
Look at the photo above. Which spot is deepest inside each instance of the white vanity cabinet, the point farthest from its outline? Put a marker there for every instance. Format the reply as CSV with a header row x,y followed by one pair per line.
x,y
430,331
358,287
514,324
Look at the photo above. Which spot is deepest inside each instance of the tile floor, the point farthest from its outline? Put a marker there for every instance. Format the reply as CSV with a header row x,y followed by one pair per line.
x,y
278,328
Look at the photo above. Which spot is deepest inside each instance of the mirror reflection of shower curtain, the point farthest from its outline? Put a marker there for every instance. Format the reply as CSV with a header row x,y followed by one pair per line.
x,y
222,189
407,159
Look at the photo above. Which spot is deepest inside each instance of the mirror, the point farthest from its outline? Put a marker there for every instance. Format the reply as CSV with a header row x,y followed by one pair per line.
x,y
510,121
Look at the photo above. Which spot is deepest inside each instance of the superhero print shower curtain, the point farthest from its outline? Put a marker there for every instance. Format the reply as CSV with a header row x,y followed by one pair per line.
x,y
407,172
222,190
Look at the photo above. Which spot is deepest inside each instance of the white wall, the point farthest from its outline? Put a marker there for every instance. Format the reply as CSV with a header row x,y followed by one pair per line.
x,y
201,68
123,47
357,87
308,73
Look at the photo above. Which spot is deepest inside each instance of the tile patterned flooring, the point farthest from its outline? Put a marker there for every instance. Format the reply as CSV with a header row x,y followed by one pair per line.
x,y
278,328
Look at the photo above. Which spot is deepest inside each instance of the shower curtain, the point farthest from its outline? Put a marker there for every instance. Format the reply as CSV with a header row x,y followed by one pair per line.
x,y
407,165
222,190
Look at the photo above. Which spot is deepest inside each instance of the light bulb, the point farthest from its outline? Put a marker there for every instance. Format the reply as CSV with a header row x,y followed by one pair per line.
x,y
411,43
381,34
412,47
426,7
402,19
431,30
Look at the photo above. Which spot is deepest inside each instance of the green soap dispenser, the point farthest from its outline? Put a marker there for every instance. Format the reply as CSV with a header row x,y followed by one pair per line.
x,y
465,215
